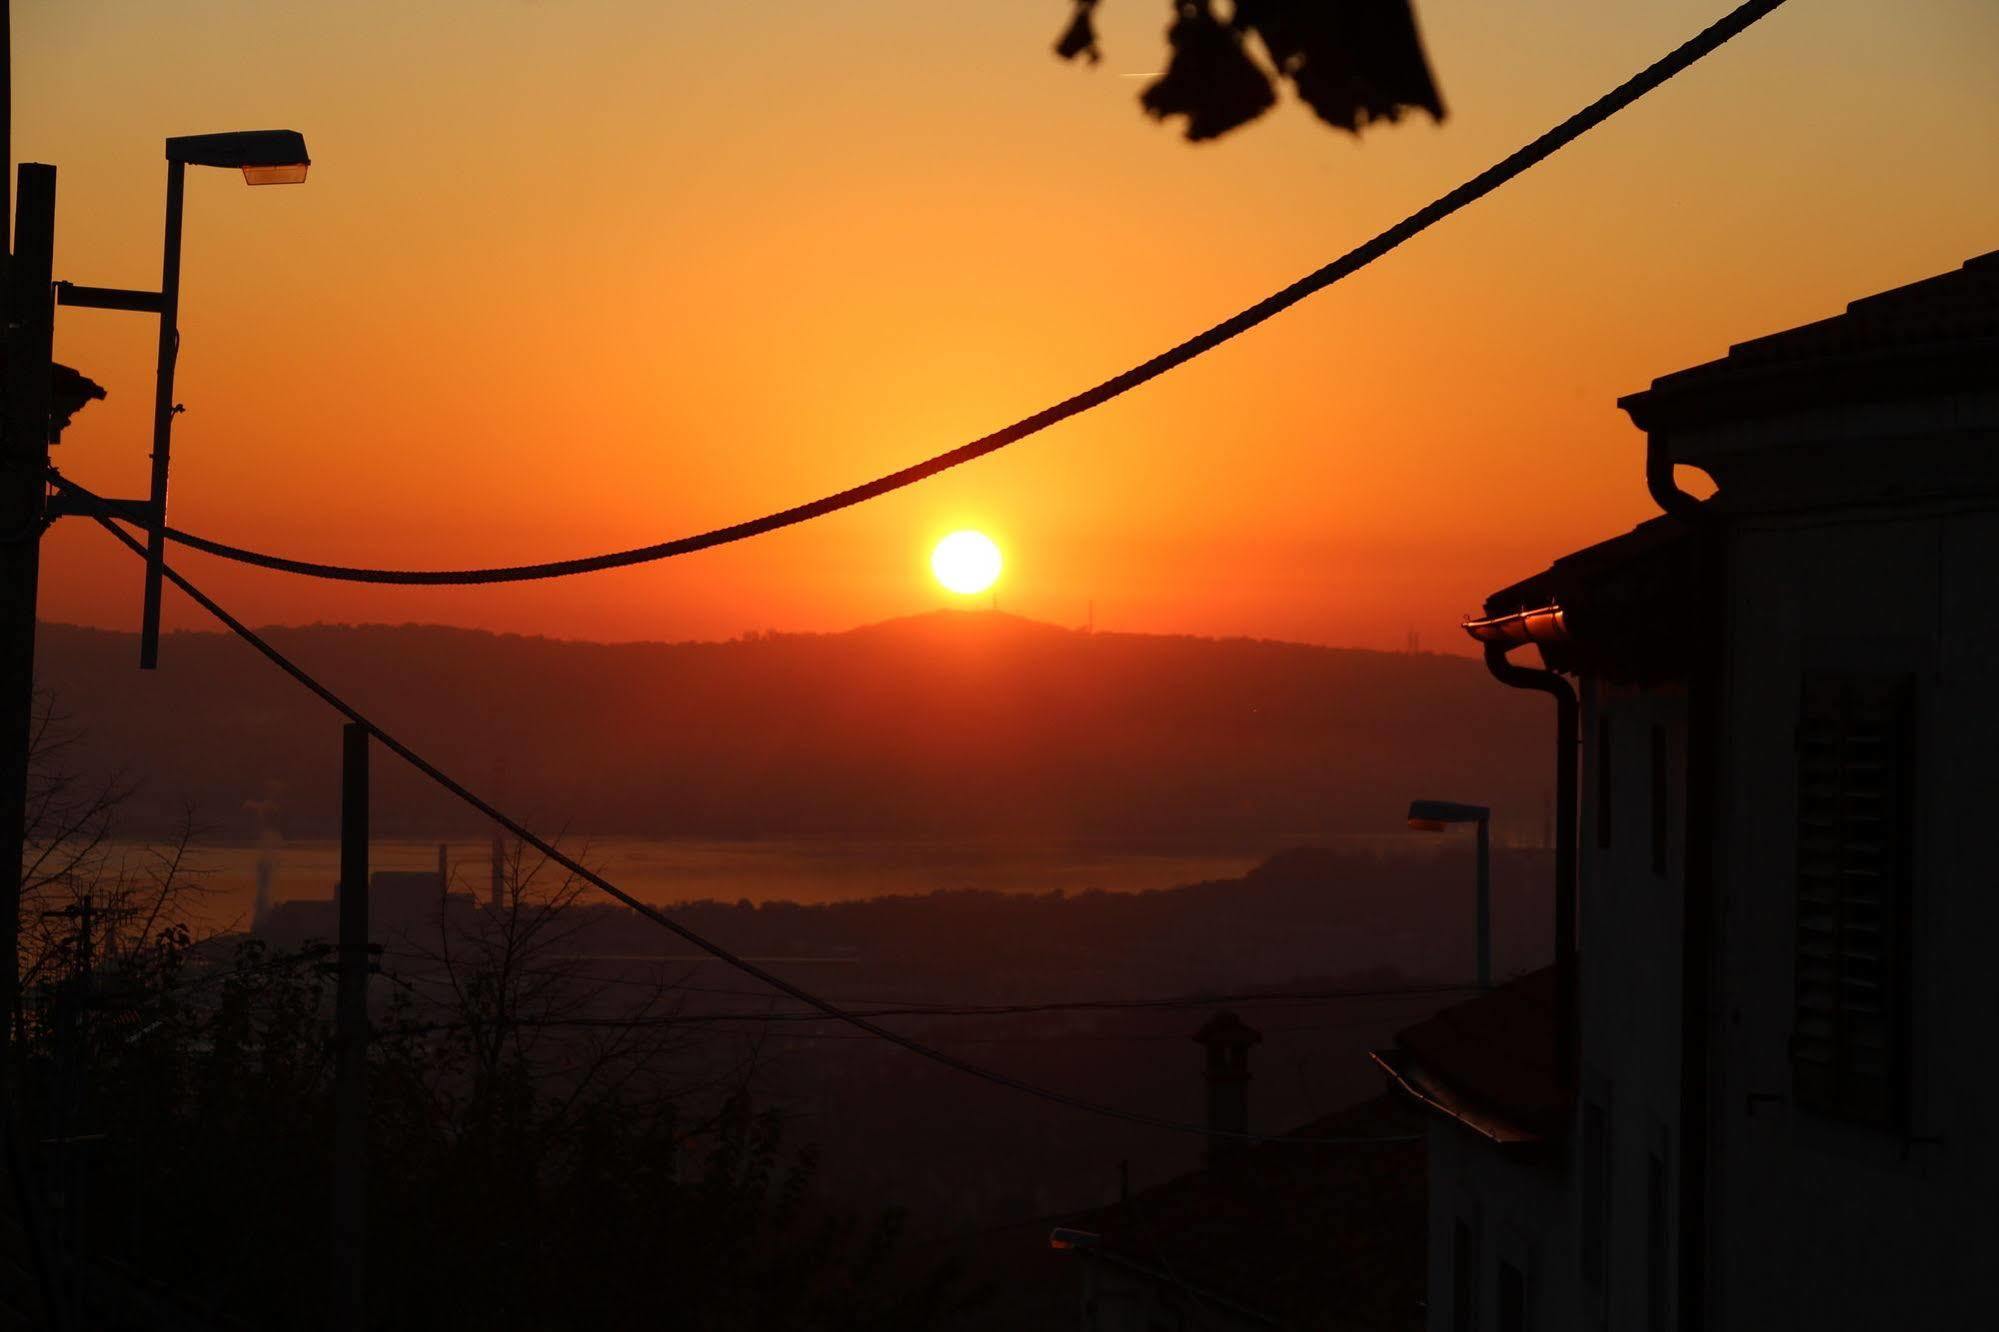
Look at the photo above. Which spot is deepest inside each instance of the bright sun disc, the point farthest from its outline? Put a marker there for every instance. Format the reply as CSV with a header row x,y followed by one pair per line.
x,y
966,562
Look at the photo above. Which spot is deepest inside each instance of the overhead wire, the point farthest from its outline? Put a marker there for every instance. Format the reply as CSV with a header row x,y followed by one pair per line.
x,y
584,1023
971,1011
1506,169
664,921
948,1008
1640,84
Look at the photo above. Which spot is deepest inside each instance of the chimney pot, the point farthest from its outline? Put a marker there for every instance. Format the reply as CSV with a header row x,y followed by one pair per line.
x,y
1227,1040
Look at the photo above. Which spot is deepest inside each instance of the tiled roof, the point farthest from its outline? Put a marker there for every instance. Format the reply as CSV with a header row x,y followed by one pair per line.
x,y
1489,1062
1936,335
1310,1235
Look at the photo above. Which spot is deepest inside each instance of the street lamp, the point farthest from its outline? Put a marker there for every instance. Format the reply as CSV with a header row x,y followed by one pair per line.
x,y
265,157
1437,815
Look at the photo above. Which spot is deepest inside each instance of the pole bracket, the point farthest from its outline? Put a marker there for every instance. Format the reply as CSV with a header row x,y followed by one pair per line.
x,y
68,503
109,298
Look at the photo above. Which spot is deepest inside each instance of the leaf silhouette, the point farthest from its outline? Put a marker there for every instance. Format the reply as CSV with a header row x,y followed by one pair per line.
x,y
1354,62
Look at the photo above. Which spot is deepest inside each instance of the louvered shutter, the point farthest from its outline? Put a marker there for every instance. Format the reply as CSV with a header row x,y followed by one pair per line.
x,y
1848,1047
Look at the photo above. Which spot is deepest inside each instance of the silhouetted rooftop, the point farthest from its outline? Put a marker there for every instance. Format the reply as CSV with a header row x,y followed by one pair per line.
x,y
1489,1063
1325,1236
1932,336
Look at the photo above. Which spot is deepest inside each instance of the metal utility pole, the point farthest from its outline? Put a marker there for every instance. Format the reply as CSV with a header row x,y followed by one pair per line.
x,y
1435,816
86,913
350,1091
71,1107
163,413
265,157
24,461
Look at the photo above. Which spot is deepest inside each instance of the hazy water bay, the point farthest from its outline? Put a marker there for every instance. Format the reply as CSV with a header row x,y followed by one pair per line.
x,y
665,871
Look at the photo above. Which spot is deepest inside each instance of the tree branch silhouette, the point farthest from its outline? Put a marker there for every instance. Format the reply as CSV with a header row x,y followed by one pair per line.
x,y
1354,62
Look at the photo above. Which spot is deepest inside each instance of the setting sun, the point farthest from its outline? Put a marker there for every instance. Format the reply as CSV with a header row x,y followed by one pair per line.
x,y
966,562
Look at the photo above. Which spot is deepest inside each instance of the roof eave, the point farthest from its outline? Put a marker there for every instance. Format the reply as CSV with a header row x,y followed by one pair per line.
x,y
1722,391
1409,1077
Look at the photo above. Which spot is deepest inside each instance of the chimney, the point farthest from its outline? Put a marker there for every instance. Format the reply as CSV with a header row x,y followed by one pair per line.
x,y
443,870
1227,1039
495,895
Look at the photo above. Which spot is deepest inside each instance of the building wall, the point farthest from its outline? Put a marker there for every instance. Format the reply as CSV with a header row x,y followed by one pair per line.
x,y
1872,551
1515,1213
1539,1216
1629,909
1821,1223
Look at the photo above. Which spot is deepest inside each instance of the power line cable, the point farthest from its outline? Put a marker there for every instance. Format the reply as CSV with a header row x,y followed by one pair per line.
x,y
583,1022
1533,153
1484,183
945,1008
900,1011
664,921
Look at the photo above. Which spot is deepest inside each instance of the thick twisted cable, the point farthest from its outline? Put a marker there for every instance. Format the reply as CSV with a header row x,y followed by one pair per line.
x,y
1682,57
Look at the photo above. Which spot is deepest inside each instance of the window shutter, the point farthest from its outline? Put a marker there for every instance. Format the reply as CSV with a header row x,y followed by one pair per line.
x,y
1848,1047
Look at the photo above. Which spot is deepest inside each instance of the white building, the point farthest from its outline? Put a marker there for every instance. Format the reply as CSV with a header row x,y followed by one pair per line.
x,y
1777,1107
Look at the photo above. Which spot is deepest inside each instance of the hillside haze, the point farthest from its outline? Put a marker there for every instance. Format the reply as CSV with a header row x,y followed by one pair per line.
x,y
952,724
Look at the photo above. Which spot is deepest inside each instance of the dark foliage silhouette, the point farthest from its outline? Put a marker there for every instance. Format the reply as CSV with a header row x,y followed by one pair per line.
x,y
509,1192
1352,61
183,1090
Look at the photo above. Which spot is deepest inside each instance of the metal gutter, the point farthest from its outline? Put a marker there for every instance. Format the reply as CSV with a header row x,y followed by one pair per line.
x,y
1541,624
1567,736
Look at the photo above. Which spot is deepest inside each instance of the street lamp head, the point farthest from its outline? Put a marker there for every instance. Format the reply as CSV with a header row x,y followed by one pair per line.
x,y
266,157
1436,815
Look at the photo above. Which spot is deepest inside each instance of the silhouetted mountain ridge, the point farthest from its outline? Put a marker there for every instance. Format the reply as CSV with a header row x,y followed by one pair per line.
x,y
952,724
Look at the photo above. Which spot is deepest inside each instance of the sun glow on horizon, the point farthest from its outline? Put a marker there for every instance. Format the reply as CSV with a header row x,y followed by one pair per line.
x,y
966,562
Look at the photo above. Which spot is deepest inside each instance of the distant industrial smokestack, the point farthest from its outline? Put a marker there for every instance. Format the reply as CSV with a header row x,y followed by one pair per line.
x,y
443,869
1227,1039
268,841
267,864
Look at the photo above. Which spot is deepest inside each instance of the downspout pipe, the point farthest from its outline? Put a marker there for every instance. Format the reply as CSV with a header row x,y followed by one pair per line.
x,y
1567,736
1665,491
1697,942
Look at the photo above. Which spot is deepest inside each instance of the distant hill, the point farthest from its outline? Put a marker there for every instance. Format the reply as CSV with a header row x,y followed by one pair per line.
x,y
947,725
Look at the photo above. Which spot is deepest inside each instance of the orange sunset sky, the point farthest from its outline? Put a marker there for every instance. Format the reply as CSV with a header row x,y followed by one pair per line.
x,y
580,274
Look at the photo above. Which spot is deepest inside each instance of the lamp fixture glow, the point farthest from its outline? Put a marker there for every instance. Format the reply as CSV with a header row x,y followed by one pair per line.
x,y
1436,815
